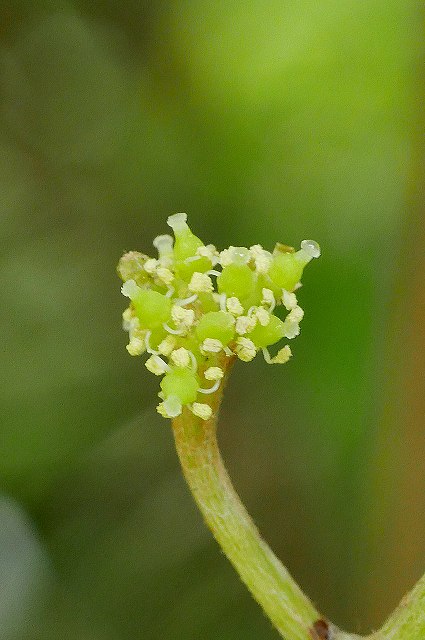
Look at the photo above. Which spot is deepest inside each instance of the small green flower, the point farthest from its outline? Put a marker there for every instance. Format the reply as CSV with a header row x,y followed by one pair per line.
x,y
185,310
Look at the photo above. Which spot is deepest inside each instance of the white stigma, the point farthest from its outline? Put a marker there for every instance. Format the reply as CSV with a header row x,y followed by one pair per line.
x,y
311,248
164,245
130,289
201,410
177,222
240,255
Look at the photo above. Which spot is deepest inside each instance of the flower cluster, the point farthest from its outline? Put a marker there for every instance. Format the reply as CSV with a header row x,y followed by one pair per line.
x,y
192,306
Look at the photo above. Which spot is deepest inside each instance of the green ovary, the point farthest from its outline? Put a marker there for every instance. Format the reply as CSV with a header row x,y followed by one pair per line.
x,y
157,336
256,295
218,325
236,280
186,245
208,303
286,271
152,308
185,270
182,383
268,335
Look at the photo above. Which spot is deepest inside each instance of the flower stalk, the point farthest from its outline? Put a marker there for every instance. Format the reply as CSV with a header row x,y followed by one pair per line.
x,y
195,311
269,582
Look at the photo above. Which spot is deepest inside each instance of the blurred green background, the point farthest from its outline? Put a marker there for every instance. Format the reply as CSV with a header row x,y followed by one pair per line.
x,y
265,121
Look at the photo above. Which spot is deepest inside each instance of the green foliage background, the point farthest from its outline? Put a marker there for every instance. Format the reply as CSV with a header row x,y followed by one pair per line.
x,y
265,121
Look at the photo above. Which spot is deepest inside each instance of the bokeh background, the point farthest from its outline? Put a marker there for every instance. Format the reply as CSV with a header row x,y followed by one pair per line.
x,y
265,121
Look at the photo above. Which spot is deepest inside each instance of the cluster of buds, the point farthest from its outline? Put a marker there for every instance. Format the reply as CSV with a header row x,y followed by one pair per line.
x,y
193,306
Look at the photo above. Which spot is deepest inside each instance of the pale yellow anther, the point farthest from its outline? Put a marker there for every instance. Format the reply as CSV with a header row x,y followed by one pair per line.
x,y
226,257
202,410
165,275
136,346
245,349
151,266
161,410
214,373
245,324
129,320
180,357
256,250
291,329
200,283
262,264
263,316
167,345
289,299
282,355
131,323
155,365
209,251
296,314
182,317
131,264
234,306
261,257
211,345
127,314
268,297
